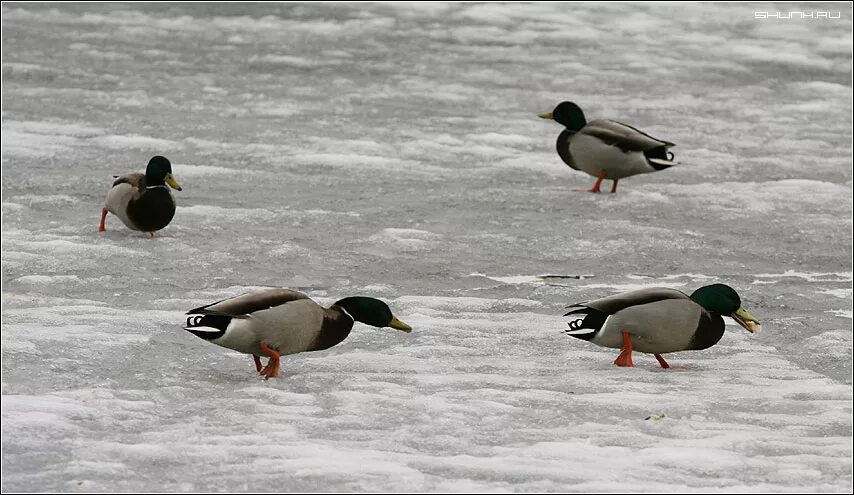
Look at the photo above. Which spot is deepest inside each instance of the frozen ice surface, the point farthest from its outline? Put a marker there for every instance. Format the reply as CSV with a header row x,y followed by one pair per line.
x,y
393,150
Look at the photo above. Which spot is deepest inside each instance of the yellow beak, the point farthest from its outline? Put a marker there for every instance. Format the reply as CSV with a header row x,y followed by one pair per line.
x,y
745,319
547,115
399,325
170,179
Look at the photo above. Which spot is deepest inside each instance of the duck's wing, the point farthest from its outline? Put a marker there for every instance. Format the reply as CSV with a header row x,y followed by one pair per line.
x,y
135,180
618,302
250,303
290,328
126,189
665,325
623,136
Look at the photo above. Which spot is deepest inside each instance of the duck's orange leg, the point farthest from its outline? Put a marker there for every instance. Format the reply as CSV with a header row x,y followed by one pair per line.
x,y
257,363
273,367
595,188
103,225
625,357
614,187
661,361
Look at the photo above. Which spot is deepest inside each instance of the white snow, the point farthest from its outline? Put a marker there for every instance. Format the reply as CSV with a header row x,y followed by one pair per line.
x,y
394,150
840,293
187,170
134,141
405,239
842,313
513,279
810,276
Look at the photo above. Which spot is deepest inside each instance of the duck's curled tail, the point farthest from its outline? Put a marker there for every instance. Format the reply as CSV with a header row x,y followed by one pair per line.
x,y
207,325
583,322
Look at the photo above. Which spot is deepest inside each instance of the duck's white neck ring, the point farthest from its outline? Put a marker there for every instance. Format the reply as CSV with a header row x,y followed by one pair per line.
x,y
348,314
155,187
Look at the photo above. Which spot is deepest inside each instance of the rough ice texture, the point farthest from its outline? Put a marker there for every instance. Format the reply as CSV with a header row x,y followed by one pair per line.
x,y
394,150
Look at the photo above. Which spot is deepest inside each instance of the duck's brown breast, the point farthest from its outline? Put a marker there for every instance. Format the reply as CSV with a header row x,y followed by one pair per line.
x,y
153,210
335,328
710,329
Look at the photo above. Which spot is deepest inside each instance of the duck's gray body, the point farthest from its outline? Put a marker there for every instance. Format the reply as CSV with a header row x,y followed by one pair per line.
x,y
285,320
612,148
658,320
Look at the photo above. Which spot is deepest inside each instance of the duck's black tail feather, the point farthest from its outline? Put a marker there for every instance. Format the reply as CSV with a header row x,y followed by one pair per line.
x,y
659,158
584,322
208,325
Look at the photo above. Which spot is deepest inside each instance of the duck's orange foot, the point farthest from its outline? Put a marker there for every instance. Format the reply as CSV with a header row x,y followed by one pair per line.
x,y
102,226
273,365
595,188
625,357
271,370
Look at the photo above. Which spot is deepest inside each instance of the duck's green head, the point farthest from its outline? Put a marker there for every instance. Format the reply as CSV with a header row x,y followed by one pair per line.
x,y
567,113
372,312
724,300
159,172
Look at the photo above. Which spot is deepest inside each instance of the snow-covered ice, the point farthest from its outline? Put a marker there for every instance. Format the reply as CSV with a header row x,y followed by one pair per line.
x,y
393,150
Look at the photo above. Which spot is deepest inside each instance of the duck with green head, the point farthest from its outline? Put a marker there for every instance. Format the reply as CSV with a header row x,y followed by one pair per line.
x,y
658,320
143,202
278,322
606,149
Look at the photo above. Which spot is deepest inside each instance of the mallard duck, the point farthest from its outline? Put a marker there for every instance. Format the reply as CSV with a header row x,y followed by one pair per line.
x,y
606,149
658,320
277,322
143,202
